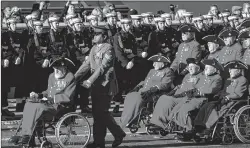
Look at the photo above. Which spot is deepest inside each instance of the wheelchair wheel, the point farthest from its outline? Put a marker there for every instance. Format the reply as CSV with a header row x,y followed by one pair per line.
x,y
73,131
242,124
46,144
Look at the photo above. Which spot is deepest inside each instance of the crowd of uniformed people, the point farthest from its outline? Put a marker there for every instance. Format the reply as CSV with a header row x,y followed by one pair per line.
x,y
195,65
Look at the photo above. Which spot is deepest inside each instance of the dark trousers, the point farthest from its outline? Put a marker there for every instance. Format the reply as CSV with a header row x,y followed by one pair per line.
x,y
83,101
102,117
5,85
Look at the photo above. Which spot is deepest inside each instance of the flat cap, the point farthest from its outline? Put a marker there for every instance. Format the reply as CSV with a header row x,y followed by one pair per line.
x,y
11,20
125,21
53,18
244,34
193,61
187,14
214,39
159,19
92,17
166,15
187,28
136,17
228,32
61,61
213,62
37,23
236,65
70,16
159,58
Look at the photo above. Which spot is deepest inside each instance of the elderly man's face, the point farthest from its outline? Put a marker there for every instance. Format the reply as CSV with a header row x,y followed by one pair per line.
x,y
98,38
234,72
78,26
126,27
188,20
7,12
210,22
168,21
136,23
55,25
94,22
161,25
193,68
59,71
186,36
214,10
158,65
71,9
13,26
39,29
200,24
229,40
112,21
212,47
209,70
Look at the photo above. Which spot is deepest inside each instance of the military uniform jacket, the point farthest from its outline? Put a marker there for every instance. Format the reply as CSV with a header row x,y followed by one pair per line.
x,y
246,57
186,50
111,33
38,47
101,63
12,45
79,45
235,88
123,42
162,79
214,55
232,53
60,90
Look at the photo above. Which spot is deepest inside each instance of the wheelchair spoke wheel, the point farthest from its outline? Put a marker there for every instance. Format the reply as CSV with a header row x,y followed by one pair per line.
x,y
46,144
73,131
242,124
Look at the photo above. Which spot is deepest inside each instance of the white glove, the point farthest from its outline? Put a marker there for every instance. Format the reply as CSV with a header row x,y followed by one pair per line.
x,y
45,63
144,54
86,58
33,95
18,61
6,63
130,65
44,99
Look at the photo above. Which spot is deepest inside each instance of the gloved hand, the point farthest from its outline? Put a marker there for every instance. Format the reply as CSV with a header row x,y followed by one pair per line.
x,y
145,95
87,84
130,65
45,63
224,100
144,54
6,63
18,61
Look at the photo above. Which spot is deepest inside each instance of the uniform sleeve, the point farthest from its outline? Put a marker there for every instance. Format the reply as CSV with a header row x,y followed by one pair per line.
x,y
167,80
175,63
118,52
67,94
107,62
83,70
240,89
239,54
214,88
45,93
196,52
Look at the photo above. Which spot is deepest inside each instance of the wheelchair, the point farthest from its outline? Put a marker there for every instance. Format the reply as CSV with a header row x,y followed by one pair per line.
x,y
70,130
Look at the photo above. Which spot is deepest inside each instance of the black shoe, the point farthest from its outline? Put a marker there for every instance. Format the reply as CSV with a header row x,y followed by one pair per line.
x,y
25,139
116,109
94,145
86,110
6,112
118,141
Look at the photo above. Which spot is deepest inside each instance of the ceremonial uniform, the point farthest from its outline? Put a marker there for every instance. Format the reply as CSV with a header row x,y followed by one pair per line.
x,y
103,80
58,91
207,86
162,79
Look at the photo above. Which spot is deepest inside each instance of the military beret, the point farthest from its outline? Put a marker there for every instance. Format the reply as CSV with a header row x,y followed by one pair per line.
x,y
235,8
70,16
76,20
208,16
92,17
213,62
37,23
234,17
11,20
136,17
193,61
187,14
228,32
132,12
159,19
61,61
245,23
53,18
187,28
147,14
199,18
244,34
214,39
125,21
236,65
159,58
100,29
112,14
166,15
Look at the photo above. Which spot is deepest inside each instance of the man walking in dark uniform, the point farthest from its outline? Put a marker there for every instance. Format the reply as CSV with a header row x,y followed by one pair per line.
x,y
103,87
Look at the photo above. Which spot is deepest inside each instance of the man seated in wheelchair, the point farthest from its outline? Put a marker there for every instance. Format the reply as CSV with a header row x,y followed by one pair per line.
x,y
191,93
235,88
158,80
60,91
